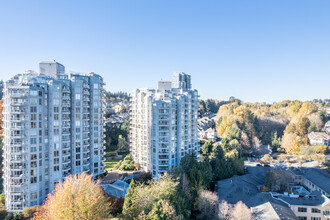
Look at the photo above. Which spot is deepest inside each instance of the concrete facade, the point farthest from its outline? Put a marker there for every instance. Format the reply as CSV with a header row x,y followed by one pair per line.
x,y
164,124
53,127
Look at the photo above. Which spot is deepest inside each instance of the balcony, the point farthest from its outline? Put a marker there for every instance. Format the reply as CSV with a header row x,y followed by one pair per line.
x,y
66,161
66,103
65,90
65,125
65,97
66,154
18,103
65,118
86,162
66,167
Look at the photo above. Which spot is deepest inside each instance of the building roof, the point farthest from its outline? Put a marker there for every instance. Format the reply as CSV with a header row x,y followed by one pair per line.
x,y
117,189
317,176
245,188
318,136
314,199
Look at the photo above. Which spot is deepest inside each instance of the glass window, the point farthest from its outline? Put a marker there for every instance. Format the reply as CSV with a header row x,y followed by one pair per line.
x,y
302,209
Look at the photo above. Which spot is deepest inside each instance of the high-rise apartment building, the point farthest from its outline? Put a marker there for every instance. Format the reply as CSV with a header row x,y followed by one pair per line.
x,y
164,124
53,127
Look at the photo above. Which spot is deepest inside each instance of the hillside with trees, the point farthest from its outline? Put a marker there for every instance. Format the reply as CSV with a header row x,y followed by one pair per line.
x,y
284,124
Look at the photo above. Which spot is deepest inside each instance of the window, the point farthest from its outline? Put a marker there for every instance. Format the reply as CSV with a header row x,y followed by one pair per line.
x,y
302,209
315,218
55,116
33,156
315,210
77,156
56,109
33,195
77,163
56,168
33,140
56,153
33,124
33,179
56,131
56,160
302,218
33,164
33,109
33,117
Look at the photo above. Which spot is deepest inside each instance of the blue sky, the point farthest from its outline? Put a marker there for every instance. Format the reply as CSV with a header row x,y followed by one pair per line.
x,y
258,50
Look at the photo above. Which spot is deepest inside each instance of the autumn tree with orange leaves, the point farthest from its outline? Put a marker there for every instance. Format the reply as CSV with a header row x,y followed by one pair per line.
x,y
78,197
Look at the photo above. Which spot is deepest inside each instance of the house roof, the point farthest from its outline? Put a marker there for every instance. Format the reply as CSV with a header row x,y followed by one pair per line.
x,y
318,136
327,124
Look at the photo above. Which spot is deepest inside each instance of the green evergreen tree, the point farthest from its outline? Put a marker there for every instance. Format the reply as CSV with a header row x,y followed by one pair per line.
x,y
129,198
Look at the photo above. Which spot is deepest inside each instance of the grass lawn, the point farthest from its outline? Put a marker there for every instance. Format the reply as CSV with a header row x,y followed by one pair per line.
x,y
110,164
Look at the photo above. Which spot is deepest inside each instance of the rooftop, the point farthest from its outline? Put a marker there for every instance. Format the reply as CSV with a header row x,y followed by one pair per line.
x,y
245,188
317,176
314,199
319,135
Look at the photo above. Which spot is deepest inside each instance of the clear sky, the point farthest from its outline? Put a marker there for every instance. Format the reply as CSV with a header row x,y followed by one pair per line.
x,y
255,50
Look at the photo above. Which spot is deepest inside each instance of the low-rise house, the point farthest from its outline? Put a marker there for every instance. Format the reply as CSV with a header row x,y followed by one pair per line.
x,y
117,189
319,138
211,134
206,125
327,126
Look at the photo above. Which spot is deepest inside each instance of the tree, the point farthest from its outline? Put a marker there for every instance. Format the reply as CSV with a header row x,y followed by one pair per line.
x,y
128,202
224,210
128,163
266,158
156,199
207,148
288,140
78,197
241,212
187,162
278,179
275,141
2,199
3,213
207,204
295,146
29,212
302,126
162,210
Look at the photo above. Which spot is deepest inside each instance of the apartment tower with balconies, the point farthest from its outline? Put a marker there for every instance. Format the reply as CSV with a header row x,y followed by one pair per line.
x,y
164,124
53,127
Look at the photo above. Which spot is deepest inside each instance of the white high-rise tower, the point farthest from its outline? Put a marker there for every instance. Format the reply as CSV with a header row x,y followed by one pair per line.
x,y
53,127
164,124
